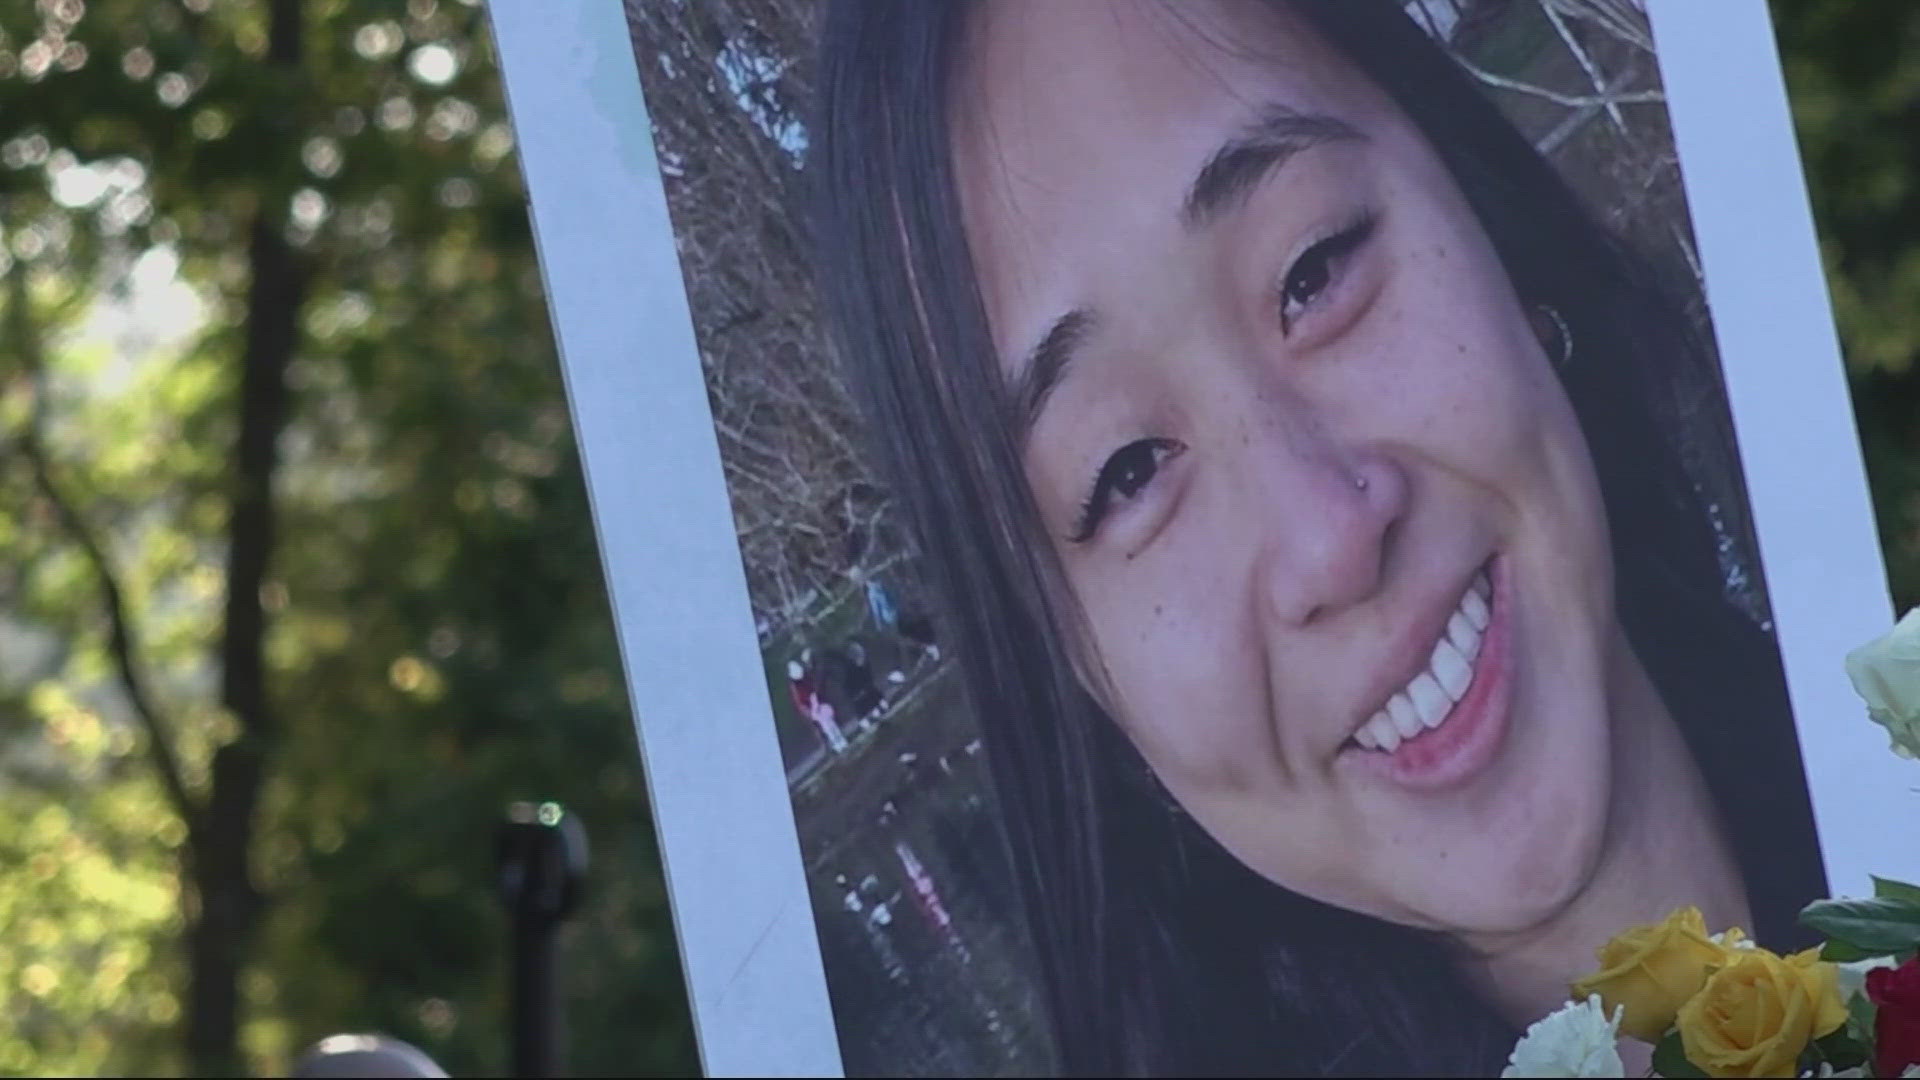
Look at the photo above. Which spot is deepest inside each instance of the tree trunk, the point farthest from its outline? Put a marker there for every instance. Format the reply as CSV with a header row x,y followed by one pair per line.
x,y
220,863
223,922
221,841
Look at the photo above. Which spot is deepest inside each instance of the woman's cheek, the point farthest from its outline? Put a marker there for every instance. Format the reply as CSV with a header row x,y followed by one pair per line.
x,y
1473,391
1185,685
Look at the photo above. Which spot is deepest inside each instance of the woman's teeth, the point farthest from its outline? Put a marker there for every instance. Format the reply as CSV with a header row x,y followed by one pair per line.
x,y
1425,701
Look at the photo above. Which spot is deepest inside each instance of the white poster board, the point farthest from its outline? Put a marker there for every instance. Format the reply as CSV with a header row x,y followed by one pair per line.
x,y
724,799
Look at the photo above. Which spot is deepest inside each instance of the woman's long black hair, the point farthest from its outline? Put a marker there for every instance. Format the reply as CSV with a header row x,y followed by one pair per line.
x,y
1160,953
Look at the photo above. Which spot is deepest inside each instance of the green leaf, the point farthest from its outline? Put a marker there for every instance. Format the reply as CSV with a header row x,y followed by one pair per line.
x,y
1840,1049
1889,889
1878,926
1860,1015
1842,953
1670,1059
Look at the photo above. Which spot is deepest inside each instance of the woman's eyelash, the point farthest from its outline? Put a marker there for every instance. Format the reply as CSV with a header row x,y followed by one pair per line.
x,y
1314,271
1124,473
1128,470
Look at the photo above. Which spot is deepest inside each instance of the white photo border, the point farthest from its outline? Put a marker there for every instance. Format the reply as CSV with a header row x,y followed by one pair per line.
x,y
1786,388
749,947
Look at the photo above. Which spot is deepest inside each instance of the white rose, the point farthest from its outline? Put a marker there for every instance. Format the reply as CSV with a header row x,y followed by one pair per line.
x,y
1886,672
1575,1040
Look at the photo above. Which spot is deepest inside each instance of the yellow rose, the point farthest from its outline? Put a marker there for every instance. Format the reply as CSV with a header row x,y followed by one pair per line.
x,y
1652,970
1756,1014
1733,938
1822,983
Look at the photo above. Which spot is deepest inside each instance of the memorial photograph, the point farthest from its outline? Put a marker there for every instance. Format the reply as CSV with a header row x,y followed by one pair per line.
x,y
1246,540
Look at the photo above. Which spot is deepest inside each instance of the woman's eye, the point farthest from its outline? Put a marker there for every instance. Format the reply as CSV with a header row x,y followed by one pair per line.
x,y
1307,278
1122,477
1313,272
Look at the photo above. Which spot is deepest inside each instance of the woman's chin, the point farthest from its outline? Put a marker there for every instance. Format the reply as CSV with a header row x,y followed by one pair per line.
x,y
1533,838
1512,896
1517,861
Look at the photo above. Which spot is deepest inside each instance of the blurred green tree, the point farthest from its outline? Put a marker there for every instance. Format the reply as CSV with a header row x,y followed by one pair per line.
x,y
1854,85
297,581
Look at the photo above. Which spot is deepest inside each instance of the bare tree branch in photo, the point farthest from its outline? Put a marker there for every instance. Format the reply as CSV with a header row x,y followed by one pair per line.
x,y
1605,100
727,99
1610,102
1619,20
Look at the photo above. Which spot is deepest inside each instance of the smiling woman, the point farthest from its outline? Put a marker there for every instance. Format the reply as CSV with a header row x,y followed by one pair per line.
x,y
1287,440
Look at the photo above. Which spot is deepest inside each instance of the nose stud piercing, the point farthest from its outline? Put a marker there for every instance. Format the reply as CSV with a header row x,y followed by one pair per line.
x,y
1360,482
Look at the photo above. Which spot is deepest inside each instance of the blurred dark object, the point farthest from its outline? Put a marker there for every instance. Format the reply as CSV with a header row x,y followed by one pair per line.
x,y
542,852
364,1055
848,681
916,627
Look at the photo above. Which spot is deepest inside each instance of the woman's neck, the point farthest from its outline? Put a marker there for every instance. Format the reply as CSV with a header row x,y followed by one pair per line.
x,y
1664,849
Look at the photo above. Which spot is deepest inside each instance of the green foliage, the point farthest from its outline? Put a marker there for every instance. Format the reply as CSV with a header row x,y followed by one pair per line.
x,y
1670,1058
1854,90
439,639
1838,1049
1890,889
1878,926
1842,953
1861,1012
88,897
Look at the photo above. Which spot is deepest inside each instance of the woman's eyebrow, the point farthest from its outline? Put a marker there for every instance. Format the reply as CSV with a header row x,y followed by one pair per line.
x,y
1264,144
1045,366
1260,146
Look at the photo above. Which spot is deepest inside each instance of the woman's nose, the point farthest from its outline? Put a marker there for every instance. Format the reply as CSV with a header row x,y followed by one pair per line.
x,y
1330,519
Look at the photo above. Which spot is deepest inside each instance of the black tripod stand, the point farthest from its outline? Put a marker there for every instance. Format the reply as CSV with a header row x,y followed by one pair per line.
x,y
542,852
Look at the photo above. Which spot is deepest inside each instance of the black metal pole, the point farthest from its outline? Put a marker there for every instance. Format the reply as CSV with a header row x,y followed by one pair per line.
x,y
542,852
536,1001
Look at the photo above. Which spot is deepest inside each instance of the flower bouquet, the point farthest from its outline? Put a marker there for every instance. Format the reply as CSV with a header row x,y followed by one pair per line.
x,y
1721,1005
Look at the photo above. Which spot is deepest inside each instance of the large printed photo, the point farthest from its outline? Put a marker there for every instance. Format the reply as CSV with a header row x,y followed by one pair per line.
x,y
1243,524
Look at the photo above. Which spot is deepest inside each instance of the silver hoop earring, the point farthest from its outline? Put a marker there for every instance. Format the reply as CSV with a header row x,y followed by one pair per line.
x,y
1562,332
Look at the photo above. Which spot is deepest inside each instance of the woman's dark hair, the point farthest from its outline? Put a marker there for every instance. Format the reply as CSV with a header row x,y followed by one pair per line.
x,y
1159,952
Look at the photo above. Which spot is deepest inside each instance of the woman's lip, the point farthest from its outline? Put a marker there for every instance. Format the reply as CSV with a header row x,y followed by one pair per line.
x,y
1470,735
